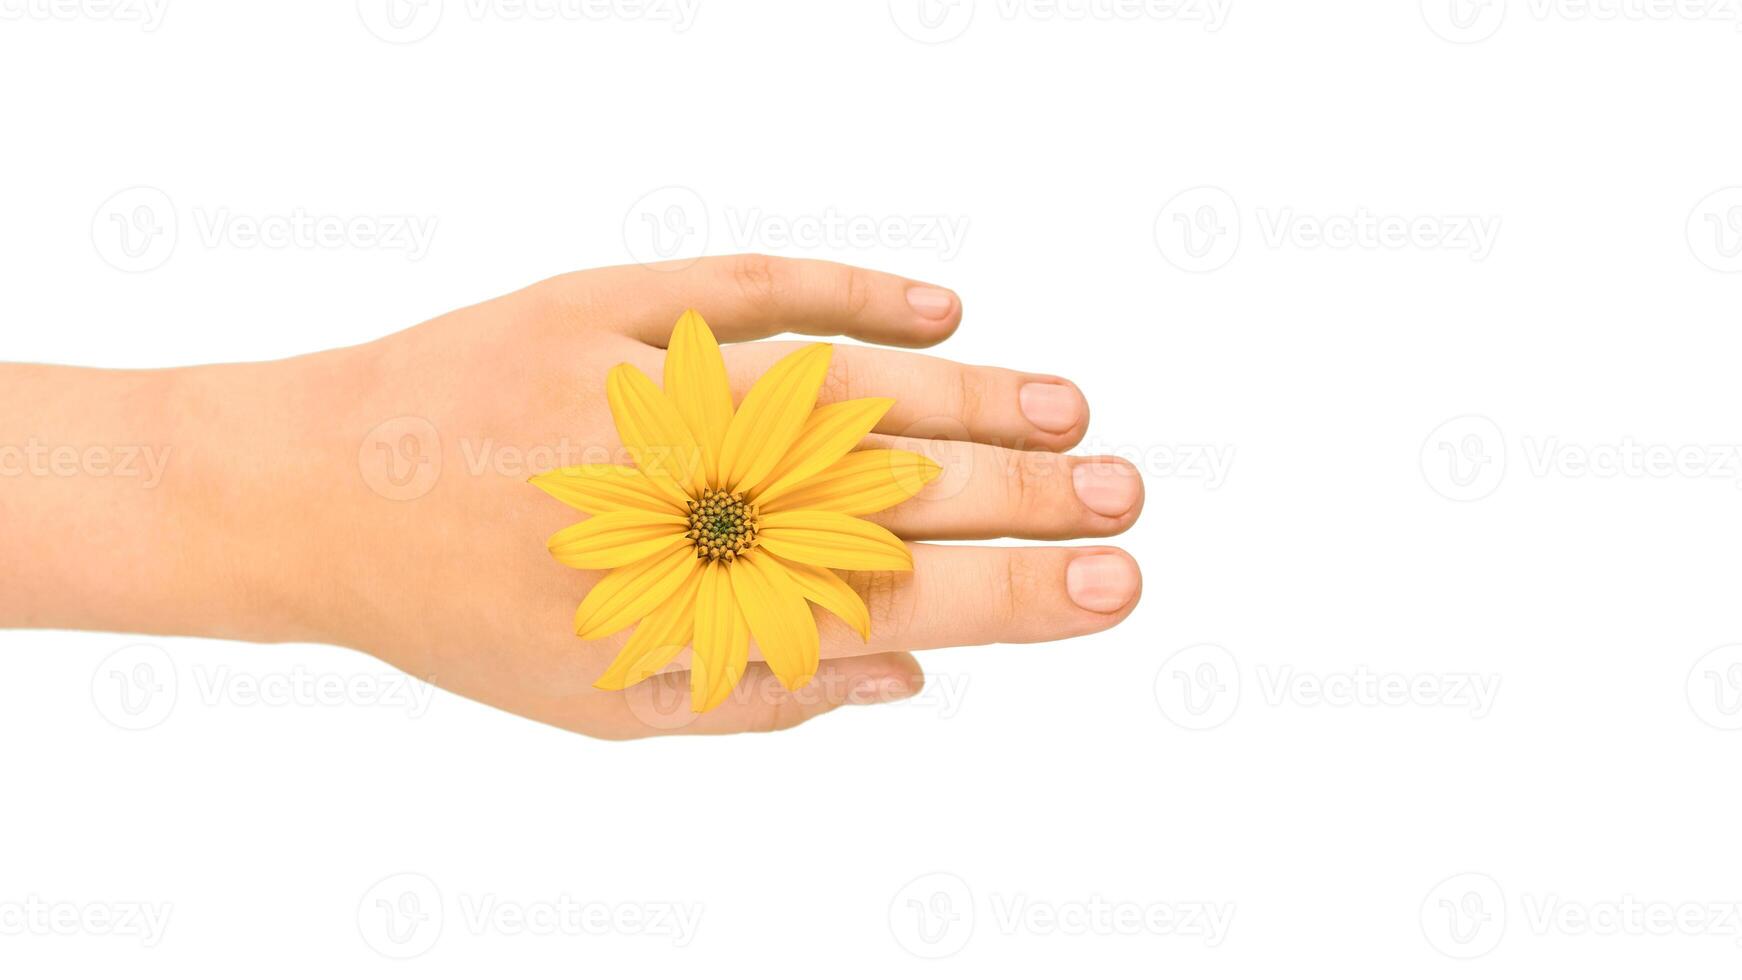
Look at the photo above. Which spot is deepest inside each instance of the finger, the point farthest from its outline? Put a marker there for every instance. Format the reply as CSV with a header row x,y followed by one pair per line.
x,y
988,492
744,297
965,596
936,398
660,705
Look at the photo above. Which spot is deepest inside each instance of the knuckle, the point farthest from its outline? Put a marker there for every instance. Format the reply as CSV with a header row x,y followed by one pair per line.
x,y
891,614
969,393
759,280
854,290
838,382
1021,586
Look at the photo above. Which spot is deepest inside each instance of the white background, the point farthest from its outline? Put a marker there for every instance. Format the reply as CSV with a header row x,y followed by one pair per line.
x,y
1185,764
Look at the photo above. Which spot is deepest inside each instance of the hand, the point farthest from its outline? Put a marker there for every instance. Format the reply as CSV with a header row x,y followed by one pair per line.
x,y
377,495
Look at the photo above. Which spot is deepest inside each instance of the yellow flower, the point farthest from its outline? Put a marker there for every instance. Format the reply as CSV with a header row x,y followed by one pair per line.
x,y
728,525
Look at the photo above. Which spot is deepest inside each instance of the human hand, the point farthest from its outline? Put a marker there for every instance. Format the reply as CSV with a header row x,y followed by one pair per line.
x,y
435,559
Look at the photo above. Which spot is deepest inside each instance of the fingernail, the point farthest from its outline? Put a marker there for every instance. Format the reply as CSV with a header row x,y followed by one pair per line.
x,y
1108,489
1052,407
1101,583
931,302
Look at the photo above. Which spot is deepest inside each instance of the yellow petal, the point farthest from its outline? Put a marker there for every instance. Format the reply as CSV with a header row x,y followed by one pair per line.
x,y
722,641
620,537
599,488
633,591
826,589
653,431
695,381
830,433
860,483
771,416
659,638
819,537
779,618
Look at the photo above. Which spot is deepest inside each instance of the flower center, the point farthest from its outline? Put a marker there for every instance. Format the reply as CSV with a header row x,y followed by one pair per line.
x,y
722,525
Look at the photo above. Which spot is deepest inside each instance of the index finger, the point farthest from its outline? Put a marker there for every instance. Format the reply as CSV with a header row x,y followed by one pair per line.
x,y
747,297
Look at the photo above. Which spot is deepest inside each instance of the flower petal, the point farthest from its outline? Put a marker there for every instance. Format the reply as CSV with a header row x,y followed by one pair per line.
x,y
633,591
771,415
653,431
830,433
820,537
659,638
619,537
779,618
599,488
860,483
695,381
722,641
827,589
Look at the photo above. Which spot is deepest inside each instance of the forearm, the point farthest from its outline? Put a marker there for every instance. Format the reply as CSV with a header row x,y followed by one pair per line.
x,y
157,501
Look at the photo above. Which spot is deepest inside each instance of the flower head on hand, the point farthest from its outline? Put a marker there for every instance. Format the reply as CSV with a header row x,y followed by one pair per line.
x,y
727,526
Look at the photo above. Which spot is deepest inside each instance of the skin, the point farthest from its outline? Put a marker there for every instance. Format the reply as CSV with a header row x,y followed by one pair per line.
x,y
374,497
